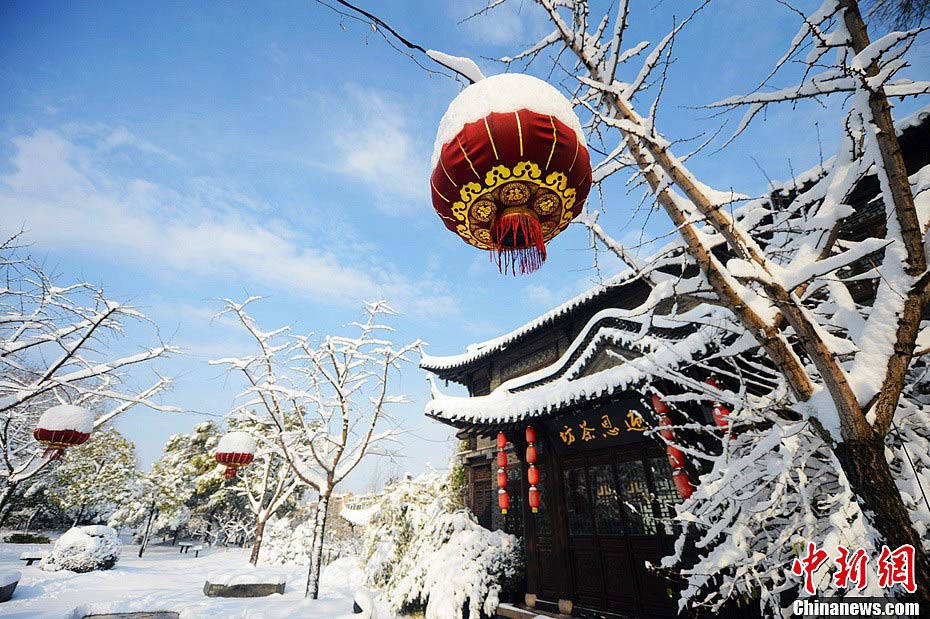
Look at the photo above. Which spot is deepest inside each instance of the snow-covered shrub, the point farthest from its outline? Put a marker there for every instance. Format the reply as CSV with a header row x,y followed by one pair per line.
x,y
84,549
425,555
290,540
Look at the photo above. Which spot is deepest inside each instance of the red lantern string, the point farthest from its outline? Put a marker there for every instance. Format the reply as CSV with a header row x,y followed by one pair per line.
x,y
517,239
532,473
503,499
676,458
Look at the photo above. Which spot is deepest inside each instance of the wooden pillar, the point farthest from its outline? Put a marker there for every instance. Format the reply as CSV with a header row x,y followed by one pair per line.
x,y
530,555
556,507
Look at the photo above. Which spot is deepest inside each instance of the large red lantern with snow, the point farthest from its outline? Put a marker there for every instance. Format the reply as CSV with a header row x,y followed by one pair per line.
x,y
510,168
61,427
234,450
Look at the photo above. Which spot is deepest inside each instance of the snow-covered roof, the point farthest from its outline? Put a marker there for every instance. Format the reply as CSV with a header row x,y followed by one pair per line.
x,y
563,383
507,92
359,517
474,352
67,417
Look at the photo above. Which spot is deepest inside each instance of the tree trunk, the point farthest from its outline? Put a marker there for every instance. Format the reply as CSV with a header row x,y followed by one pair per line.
x,y
80,514
316,554
6,501
31,518
257,545
148,528
870,477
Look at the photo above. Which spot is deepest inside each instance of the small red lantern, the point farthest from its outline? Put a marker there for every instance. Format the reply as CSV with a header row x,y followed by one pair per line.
x,y
234,450
676,457
61,427
682,483
720,413
531,454
532,475
530,434
510,168
502,459
534,498
503,500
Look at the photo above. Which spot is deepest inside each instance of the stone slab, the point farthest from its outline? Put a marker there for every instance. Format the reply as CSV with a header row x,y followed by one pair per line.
x,y
7,592
242,591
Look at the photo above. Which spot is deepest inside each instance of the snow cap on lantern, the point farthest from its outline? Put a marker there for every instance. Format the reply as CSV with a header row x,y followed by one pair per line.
x,y
510,168
63,426
235,449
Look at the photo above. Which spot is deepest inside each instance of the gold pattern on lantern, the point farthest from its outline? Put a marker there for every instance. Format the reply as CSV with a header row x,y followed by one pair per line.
x,y
514,194
483,210
545,203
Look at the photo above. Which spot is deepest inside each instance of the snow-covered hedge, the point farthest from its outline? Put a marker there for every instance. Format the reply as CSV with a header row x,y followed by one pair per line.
x,y
424,555
84,549
288,540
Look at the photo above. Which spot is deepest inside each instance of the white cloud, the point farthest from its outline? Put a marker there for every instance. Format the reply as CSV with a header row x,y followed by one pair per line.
x,y
376,147
509,24
123,138
60,194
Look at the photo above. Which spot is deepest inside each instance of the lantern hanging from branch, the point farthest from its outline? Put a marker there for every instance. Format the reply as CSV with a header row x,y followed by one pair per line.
x,y
510,168
235,449
503,499
532,473
61,427
676,458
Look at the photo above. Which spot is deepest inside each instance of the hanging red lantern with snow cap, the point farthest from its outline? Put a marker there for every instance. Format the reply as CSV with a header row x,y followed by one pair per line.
x,y
510,168
63,426
235,449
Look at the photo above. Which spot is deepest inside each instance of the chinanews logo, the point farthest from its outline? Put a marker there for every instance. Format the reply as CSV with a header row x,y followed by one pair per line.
x,y
894,569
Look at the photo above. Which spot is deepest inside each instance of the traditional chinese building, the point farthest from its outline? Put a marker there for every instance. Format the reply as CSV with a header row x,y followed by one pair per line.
x,y
607,487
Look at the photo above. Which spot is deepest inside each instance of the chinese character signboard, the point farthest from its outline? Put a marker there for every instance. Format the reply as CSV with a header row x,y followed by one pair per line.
x,y
606,426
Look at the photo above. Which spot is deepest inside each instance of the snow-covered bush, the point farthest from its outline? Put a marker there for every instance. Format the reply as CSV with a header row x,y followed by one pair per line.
x,y
289,539
84,549
425,555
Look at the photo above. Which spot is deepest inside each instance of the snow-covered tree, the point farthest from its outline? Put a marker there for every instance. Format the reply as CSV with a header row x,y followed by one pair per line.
x,y
817,376
269,484
55,343
95,480
426,554
325,399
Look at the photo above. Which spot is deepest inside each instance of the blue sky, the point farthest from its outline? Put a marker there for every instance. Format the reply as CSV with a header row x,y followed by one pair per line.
x,y
180,153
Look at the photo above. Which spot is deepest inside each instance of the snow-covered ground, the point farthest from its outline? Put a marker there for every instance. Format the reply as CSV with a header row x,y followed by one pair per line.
x,y
166,580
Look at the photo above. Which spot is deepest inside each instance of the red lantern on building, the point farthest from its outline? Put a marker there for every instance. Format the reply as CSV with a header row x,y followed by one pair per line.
x,y
533,498
510,168
720,413
676,457
61,427
503,499
234,450
532,473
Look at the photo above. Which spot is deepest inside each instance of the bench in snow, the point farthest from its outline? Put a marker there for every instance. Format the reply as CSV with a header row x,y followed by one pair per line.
x,y
197,550
31,557
185,546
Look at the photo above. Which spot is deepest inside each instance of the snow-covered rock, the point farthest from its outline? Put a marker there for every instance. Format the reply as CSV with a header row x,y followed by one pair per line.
x,y
250,576
84,549
236,442
67,417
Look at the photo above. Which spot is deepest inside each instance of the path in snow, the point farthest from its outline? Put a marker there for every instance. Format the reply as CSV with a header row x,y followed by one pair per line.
x,y
163,579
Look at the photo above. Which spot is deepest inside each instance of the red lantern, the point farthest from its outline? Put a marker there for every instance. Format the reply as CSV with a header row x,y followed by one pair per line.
x,y
510,168
530,434
682,484
532,475
502,459
720,413
503,500
234,450
61,427
501,440
531,453
676,458
534,498
501,478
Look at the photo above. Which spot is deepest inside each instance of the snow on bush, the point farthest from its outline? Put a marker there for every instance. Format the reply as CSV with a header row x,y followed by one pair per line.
x,y
290,540
84,549
425,556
